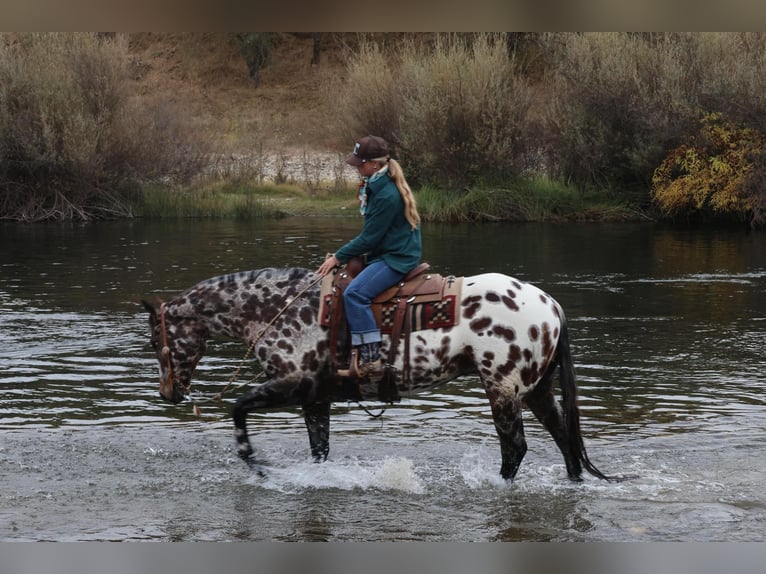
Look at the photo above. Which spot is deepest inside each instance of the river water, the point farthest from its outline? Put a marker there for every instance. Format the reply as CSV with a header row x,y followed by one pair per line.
x,y
668,328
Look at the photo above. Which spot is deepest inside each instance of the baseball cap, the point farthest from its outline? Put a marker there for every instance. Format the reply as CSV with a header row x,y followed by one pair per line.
x,y
367,148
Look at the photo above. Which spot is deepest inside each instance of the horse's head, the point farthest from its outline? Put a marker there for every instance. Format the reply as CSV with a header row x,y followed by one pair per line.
x,y
179,344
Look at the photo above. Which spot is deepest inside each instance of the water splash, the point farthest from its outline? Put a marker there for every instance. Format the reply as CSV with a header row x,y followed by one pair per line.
x,y
390,474
478,468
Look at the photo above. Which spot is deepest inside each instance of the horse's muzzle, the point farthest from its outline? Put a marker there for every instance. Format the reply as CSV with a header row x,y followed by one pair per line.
x,y
176,394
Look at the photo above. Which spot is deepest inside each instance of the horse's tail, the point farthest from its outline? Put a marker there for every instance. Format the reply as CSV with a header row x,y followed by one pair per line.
x,y
568,384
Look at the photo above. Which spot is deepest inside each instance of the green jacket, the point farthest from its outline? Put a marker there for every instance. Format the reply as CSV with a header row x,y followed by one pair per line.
x,y
386,234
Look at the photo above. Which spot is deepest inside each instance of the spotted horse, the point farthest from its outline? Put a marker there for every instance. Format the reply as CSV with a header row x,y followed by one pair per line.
x,y
510,333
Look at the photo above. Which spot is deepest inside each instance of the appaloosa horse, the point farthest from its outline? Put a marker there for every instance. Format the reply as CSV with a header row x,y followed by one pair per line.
x,y
511,334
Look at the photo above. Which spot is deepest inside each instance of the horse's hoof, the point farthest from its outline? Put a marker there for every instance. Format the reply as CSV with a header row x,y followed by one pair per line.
x,y
254,466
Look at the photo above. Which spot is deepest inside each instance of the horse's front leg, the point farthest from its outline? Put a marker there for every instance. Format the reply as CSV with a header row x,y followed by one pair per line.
x,y
506,413
317,418
265,395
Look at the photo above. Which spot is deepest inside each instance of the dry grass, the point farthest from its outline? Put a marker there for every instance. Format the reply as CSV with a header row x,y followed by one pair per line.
x,y
205,73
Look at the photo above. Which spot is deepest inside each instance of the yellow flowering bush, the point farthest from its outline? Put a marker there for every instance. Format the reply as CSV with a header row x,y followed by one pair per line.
x,y
712,172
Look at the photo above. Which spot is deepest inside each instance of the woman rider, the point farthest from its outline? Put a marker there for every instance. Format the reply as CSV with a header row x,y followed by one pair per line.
x,y
390,240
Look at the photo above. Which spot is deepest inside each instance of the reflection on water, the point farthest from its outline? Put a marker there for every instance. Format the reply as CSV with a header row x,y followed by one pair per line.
x,y
668,328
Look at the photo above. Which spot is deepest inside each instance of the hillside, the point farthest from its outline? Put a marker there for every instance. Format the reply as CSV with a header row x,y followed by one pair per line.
x,y
204,75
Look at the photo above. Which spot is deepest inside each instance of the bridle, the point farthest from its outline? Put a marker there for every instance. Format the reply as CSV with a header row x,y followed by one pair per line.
x,y
165,349
165,352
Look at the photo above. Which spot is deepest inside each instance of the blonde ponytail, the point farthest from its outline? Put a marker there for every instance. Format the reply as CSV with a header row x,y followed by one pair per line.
x,y
410,207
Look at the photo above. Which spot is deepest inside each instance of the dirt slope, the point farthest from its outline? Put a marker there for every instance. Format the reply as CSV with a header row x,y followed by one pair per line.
x,y
207,78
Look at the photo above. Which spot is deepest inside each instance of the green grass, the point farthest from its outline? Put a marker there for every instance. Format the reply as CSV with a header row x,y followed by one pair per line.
x,y
235,201
538,199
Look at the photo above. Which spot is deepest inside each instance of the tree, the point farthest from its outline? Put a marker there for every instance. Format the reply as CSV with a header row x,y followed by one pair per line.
x,y
255,48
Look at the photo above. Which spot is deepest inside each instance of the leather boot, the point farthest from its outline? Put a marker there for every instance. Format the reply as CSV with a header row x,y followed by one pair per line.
x,y
365,362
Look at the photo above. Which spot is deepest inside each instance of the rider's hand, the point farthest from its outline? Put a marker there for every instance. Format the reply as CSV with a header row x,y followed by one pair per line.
x,y
329,264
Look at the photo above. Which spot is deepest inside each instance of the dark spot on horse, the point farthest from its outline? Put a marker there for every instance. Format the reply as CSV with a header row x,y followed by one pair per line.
x,y
310,362
307,315
285,346
543,298
493,393
506,368
479,325
527,355
529,375
492,296
514,353
276,360
516,285
471,305
444,350
506,333
296,274
510,303
534,332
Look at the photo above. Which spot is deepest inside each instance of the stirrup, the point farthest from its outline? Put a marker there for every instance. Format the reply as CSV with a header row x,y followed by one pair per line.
x,y
374,370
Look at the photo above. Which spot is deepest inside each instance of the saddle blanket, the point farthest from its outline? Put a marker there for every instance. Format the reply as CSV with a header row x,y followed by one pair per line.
x,y
427,311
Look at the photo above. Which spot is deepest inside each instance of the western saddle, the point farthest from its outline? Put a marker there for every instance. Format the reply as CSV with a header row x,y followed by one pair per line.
x,y
417,286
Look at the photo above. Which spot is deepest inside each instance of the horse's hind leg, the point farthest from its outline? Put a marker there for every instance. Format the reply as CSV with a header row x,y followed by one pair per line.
x,y
542,402
506,414
317,418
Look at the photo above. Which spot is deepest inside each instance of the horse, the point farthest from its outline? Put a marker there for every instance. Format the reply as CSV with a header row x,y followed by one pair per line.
x,y
512,334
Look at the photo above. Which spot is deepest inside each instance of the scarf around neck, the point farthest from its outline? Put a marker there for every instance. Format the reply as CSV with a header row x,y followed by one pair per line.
x,y
363,188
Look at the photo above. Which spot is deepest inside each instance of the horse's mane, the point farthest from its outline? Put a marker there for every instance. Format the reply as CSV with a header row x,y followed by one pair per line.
x,y
245,277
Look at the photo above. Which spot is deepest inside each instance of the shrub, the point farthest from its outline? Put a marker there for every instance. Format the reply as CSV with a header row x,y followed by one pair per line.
x,y
717,172
370,96
73,143
455,110
618,102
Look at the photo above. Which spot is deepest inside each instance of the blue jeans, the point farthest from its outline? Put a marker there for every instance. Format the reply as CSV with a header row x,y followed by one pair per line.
x,y
371,282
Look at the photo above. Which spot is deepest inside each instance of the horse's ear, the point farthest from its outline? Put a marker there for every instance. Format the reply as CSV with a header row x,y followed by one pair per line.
x,y
149,307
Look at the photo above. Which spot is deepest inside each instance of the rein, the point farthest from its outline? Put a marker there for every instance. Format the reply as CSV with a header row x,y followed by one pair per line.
x,y
219,396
